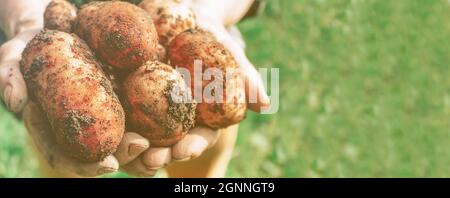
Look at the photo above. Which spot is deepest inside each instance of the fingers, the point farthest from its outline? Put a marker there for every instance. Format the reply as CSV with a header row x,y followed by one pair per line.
x,y
108,165
13,89
255,92
194,143
131,147
257,98
236,35
191,146
12,85
40,132
138,169
156,158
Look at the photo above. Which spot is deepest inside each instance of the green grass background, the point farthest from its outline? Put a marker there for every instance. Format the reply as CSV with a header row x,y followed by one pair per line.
x,y
364,92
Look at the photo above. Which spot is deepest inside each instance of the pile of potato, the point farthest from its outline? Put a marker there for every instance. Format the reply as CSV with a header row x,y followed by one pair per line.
x,y
109,67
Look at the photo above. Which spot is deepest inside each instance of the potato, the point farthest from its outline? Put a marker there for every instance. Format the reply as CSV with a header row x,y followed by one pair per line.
x,y
160,105
122,34
196,44
171,17
68,83
59,15
162,54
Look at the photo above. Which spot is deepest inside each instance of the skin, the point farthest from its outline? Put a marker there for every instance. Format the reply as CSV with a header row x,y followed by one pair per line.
x,y
122,34
21,19
215,16
152,111
59,15
67,81
56,163
197,44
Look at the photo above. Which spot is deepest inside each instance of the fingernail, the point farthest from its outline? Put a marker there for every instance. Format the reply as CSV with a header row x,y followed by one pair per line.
x,y
13,103
146,175
135,149
182,159
7,96
153,168
106,170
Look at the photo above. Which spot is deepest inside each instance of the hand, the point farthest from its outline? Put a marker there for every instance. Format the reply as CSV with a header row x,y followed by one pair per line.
x,y
216,25
14,93
20,20
198,139
132,146
191,146
13,90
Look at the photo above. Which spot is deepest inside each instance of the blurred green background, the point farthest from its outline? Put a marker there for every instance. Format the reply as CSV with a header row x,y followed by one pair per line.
x,y
364,92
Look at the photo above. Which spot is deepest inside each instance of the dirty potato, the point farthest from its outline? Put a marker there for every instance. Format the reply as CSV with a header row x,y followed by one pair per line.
x,y
160,105
162,54
121,33
196,44
59,15
171,17
66,80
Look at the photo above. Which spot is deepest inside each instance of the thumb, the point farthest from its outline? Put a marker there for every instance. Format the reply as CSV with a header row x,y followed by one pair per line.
x,y
255,92
12,85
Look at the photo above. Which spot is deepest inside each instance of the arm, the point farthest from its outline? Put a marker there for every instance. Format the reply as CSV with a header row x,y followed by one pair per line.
x,y
17,16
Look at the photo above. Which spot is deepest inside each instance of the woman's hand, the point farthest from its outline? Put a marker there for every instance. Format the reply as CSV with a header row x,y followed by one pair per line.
x,y
20,20
134,154
38,127
191,146
199,139
13,90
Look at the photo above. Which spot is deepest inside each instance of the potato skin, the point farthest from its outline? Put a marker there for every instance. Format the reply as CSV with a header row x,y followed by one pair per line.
x,y
122,34
162,54
171,17
197,44
152,112
68,83
60,15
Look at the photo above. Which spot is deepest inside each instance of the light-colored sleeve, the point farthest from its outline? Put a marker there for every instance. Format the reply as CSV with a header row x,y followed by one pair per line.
x,y
17,16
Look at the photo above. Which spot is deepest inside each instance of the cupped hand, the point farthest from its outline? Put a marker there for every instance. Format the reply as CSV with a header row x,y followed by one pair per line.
x,y
191,146
38,127
199,139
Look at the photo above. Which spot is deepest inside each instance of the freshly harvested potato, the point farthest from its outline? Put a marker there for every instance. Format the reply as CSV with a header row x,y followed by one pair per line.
x,y
59,15
122,34
68,83
196,44
171,17
162,54
160,105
